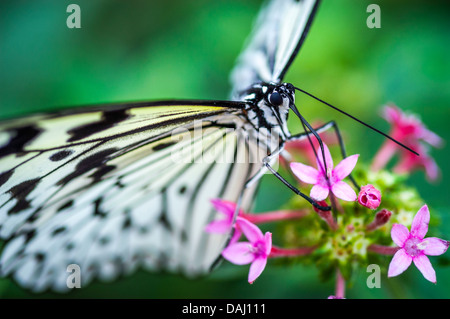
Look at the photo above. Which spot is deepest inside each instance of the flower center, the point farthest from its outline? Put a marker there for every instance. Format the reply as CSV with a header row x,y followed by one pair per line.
x,y
414,246
329,172
258,248
327,179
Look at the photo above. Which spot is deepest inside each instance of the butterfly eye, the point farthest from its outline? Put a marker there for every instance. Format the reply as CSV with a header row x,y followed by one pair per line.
x,y
275,98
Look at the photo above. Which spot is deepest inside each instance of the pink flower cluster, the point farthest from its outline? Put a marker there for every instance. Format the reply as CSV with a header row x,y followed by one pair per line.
x,y
328,181
409,130
259,247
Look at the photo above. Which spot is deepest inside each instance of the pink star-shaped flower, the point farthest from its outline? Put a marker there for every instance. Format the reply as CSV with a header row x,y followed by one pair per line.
x,y
414,247
324,182
256,251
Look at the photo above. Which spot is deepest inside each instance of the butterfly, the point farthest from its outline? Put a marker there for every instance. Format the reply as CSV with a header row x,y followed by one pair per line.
x,y
114,188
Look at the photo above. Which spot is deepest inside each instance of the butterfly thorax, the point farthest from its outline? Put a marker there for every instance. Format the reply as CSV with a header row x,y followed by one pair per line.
x,y
266,112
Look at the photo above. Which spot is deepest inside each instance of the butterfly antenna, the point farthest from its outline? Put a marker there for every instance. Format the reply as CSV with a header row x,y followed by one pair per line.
x,y
357,120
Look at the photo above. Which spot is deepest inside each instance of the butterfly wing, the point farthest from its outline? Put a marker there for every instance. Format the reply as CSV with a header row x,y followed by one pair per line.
x,y
278,34
114,188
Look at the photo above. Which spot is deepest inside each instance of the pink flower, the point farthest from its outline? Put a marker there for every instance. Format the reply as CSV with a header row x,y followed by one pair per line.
x,y
414,247
369,197
223,226
329,180
409,130
256,251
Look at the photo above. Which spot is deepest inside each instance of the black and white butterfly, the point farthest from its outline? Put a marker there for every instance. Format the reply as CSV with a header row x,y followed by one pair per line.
x,y
99,187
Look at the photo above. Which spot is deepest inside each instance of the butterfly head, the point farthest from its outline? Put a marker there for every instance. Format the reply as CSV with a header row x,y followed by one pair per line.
x,y
268,107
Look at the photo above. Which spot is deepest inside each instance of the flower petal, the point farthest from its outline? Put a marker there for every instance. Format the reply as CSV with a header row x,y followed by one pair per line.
x,y
236,236
343,191
305,173
423,264
328,158
399,263
225,207
256,268
419,226
435,246
431,138
399,234
239,253
218,226
431,168
345,167
391,113
319,192
250,230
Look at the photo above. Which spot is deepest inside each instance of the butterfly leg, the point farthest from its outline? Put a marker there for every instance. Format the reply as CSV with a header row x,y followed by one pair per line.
x,y
294,189
268,159
268,167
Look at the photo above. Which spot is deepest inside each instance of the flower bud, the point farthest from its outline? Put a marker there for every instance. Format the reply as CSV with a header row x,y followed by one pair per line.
x,y
381,218
369,197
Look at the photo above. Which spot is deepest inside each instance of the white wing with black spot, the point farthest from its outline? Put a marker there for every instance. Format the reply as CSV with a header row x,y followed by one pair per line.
x,y
279,32
114,189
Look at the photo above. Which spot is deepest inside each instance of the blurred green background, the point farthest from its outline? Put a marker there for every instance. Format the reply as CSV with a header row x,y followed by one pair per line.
x,y
149,50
